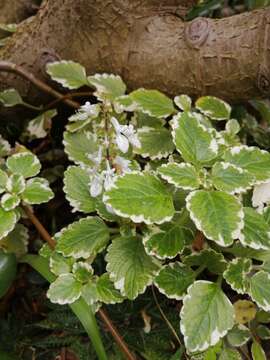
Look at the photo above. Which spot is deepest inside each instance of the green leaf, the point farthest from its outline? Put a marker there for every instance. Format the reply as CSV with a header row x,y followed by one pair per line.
x,y
9,27
257,351
155,143
16,241
183,175
142,197
260,289
60,265
83,238
79,145
153,103
174,279
130,268
8,221
263,332
82,271
9,201
106,292
213,107
236,274
256,231
167,241
77,189
64,290
3,180
39,126
37,191
217,214
108,86
24,163
89,293
140,120
238,335
230,354
184,102
15,184
68,73
232,127
103,212
211,259
206,316
5,148
230,178
10,97
8,270
250,158
192,139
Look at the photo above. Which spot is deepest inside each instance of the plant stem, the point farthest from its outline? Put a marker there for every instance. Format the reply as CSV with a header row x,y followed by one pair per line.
x,y
165,318
46,236
198,241
32,107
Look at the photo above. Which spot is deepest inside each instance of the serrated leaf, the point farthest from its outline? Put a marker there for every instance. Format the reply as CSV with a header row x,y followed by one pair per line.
x,y
24,163
236,274
183,175
206,316
38,127
108,86
230,354
130,268
230,178
232,127
167,241
140,120
3,181
60,265
16,241
238,335
217,214
79,145
260,289
69,74
37,191
155,143
184,102
103,212
77,189
83,238
193,140
8,221
89,293
15,184
213,107
256,231
211,259
10,201
174,279
10,97
106,292
142,197
64,290
82,271
153,103
245,311
5,148
250,158
257,351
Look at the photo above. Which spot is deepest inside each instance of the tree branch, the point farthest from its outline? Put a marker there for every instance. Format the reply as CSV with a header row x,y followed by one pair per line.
x,y
149,46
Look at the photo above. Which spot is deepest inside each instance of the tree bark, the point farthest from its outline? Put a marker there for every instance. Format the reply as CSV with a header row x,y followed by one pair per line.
x,y
149,45
14,11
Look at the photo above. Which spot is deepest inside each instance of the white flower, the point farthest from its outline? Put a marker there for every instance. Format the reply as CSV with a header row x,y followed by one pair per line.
x,y
125,135
86,111
261,195
108,177
96,157
96,185
122,163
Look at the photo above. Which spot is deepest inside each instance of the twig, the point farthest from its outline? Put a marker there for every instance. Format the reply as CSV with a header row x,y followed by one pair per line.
x,y
165,318
13,68
67,96
46,236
